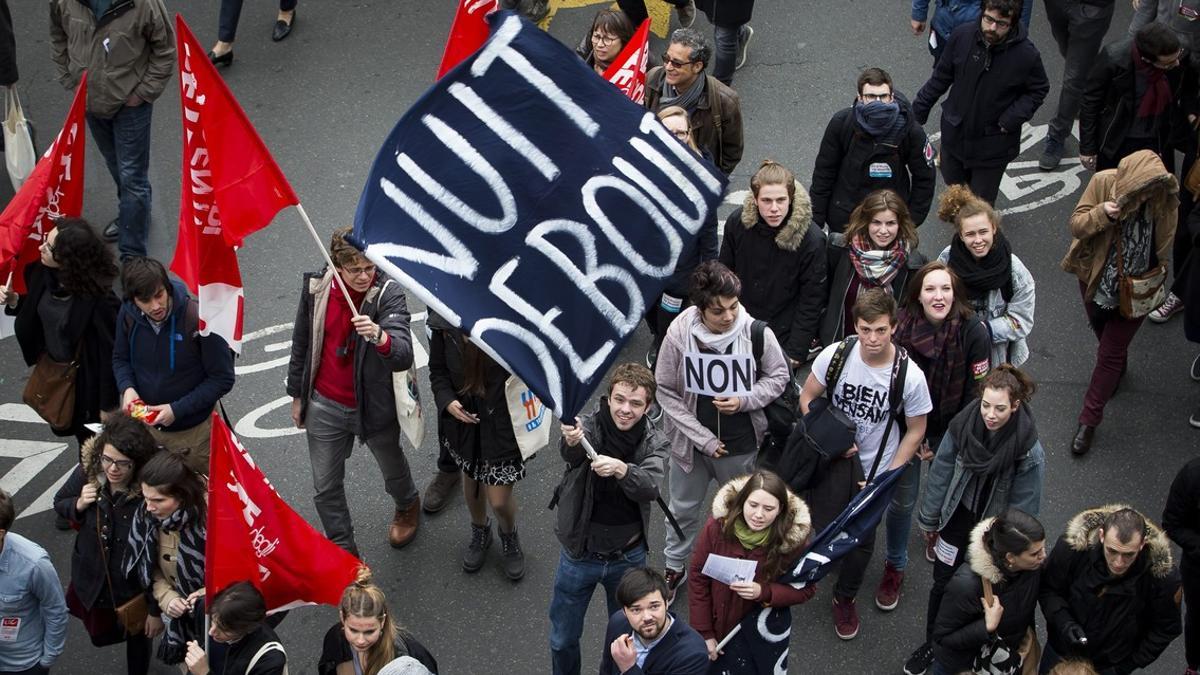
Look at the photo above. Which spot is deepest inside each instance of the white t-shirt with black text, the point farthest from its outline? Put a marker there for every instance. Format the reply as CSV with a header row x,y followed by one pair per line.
x,y
862,393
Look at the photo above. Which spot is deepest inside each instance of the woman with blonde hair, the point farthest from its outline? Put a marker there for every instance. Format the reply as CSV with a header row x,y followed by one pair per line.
x,y
877,250
367,637
999,287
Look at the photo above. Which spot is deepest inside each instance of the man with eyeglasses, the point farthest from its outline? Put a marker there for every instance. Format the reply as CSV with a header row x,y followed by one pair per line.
x,y
340,381
875,144
995,82
714,109
1141,95
1110,592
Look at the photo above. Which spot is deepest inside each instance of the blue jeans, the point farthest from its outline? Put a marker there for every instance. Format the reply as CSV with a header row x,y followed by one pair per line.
x,y
574,583
124,140
899,514
725,51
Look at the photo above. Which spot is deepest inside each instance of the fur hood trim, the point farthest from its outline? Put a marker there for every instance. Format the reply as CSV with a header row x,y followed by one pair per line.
x,y
791,235
89,458
801,527
1081,535
977,554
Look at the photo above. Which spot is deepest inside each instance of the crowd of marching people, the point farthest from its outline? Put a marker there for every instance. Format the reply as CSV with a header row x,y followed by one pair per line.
x,y
873,367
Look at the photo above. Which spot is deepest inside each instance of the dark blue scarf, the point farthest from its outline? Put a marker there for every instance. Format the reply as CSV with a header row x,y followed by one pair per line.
x,y
882,121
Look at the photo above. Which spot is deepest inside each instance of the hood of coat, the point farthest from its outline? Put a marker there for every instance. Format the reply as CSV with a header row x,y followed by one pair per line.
x,y
977,554
1082,530
89,457
791,234
801,527
1142,178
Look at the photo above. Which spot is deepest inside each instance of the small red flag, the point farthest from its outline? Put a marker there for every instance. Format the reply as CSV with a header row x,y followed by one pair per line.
x,y
467,34
253,535
628,70
232,187
52,191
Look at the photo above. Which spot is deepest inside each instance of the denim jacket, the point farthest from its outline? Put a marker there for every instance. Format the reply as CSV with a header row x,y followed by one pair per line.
x,y
31,594
1009,322
1019,487
949,14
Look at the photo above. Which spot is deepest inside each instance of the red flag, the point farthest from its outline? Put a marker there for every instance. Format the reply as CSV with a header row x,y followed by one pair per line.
x,y
628,70
53,190
231,188
467,34
253,535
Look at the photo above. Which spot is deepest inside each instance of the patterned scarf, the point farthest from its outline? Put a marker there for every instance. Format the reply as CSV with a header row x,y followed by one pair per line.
x,y
142,555
939,353
877,268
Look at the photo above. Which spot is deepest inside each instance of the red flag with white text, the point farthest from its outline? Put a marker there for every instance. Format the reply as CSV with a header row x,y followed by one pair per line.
x,y
231,188
628,70
253,535
52,191
467,34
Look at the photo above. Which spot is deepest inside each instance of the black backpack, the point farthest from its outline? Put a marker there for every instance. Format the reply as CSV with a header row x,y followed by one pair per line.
x,y
781,413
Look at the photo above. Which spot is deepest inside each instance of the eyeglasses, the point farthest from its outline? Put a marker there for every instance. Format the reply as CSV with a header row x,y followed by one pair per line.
x,y
668,61
122,464
603,40
992,21
369,270
876,97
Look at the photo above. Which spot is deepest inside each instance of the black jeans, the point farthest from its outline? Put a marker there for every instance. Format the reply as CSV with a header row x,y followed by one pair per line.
x,y
231,12
636,9
984,182
1078,29
834,491
957,533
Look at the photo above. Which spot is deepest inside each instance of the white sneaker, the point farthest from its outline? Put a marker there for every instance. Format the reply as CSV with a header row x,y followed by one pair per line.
x,y
1171,306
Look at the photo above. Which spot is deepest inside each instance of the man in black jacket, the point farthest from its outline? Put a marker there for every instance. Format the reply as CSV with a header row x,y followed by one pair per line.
x,y
604,503
1181,520
644,638
996,82
872,145
773,247
1116,120
1078,27
1110,592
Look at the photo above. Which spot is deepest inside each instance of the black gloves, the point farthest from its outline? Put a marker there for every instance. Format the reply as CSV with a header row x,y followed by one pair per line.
x,y
1075,636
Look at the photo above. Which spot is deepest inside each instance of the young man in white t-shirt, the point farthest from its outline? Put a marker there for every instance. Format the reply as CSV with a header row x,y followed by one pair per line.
x,y
862,392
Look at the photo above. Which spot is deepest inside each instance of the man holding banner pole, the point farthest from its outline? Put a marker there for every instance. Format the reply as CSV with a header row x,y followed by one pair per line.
x,y
712,405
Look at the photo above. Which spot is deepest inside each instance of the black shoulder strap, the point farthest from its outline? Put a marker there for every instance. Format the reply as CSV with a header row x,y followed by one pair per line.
x,y
191,318
836,364
757,328
895,404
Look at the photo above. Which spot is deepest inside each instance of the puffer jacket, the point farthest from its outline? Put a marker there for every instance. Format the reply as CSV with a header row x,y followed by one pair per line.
x,y
714,609
959,631
716,121
386,305
1140,178
782,270
1010,321
1129,620
130,49
574,495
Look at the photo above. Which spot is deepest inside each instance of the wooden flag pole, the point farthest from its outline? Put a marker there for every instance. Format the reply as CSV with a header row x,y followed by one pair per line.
x,y
325,254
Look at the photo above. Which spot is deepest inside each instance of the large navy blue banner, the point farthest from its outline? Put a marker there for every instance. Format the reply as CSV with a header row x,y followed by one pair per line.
x,y
529,202
761,643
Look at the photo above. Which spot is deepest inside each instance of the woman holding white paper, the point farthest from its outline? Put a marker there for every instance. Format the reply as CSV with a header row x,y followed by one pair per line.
x,y
757,518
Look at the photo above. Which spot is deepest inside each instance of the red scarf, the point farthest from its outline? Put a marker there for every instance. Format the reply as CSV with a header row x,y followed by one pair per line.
x,y
1157,96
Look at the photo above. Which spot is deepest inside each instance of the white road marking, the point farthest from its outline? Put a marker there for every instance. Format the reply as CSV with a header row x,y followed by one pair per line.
x,y
247,426
19,412
45,501
34,456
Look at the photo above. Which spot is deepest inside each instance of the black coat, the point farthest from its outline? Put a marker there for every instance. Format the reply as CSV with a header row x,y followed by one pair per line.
x,y
993,91
782,271
114,515
1128,620
1108,104
373,391
335,649
493,436
238,657
91,323
1187,277
728,13
1181,515
832,329
959,632
8,48
842,172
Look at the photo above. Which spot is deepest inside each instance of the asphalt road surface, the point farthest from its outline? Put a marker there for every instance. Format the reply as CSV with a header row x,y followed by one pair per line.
x,y
324,99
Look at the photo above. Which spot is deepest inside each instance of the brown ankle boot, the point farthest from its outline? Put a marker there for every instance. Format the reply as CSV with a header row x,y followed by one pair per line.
x,y
404,525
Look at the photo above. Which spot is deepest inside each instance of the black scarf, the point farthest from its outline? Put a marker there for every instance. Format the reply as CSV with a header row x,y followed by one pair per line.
x,y
619,444
987,454
982,275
